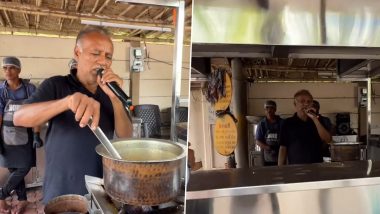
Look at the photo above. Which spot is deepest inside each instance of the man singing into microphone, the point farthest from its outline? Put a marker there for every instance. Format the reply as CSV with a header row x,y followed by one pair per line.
x,y
67,103
302,135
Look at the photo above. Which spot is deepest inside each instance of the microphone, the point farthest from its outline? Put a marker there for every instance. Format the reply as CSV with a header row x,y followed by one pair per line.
x,y
312,112
115,89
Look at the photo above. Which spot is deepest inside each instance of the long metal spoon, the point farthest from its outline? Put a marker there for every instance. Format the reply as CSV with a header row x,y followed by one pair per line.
x,y
104,140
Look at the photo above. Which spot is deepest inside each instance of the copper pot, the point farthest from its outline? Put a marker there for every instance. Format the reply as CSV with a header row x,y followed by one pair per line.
x,y
67,204
148,174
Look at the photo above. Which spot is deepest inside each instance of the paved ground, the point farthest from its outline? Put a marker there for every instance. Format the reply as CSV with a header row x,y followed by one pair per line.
x,y
34,206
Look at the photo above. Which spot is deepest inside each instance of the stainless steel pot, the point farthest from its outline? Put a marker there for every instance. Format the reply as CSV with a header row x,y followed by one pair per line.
x,y
345,151
148,174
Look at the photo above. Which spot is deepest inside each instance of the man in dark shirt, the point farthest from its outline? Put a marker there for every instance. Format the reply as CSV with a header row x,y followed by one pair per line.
x,y
268,134
303,134
68,102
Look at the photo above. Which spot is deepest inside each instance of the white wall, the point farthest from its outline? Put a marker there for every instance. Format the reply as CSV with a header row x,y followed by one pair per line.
x,y
42,57
198,132
156,81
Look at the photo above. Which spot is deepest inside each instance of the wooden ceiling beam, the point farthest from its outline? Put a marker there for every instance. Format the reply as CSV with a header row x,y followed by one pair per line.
x,y
30,9
306,62
103,6
8,18
2,22
143,12
95,6
74,33
26,19
152,40
130,7
152,33
332,63
159,34
32,31
316,62
160,14
61,24
64,6
134,32
286,68
188,9
78,5
77,8
37,21
38,3
327,64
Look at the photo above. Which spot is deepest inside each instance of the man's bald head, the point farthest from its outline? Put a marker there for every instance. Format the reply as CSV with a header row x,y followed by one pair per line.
x,y
90,30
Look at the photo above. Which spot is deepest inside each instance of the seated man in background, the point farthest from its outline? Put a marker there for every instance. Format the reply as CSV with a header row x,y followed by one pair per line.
x,y
303,134
268,133
17,144
68,103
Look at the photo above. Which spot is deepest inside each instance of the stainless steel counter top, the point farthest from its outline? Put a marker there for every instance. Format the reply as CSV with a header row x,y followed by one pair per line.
x,y
235,182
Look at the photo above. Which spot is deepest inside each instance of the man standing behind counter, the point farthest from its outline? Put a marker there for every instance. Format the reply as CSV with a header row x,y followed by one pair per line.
x,y
303,134
68,102
267,134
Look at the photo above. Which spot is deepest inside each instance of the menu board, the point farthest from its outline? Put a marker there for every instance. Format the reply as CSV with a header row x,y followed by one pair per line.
x,y
223,103
225,135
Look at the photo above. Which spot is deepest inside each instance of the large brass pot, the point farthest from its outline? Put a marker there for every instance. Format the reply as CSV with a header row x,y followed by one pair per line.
x,y
149,173
67,204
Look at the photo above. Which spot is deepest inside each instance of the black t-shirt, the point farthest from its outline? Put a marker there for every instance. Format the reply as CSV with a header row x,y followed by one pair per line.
x,y
302,141
70,150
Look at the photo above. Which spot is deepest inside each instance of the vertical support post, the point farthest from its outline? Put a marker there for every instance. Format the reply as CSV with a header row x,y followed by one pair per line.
x,y
177,66
239,110
369,108
135,78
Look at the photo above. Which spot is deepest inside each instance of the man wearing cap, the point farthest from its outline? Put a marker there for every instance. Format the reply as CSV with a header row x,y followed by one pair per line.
x,y
303,135
267,134
68,102
17,152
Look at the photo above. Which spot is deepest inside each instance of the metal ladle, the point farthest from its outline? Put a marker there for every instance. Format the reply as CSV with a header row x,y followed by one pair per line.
x,y
104,140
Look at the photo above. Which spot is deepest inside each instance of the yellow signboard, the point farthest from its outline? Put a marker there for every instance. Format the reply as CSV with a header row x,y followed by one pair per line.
x,y
225,135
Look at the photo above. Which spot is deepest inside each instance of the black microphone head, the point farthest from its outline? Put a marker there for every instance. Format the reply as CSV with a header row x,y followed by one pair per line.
x,y
99,72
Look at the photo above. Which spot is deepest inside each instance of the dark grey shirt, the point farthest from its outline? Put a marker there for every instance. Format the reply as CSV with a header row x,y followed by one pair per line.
x,y
70,150
20,156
